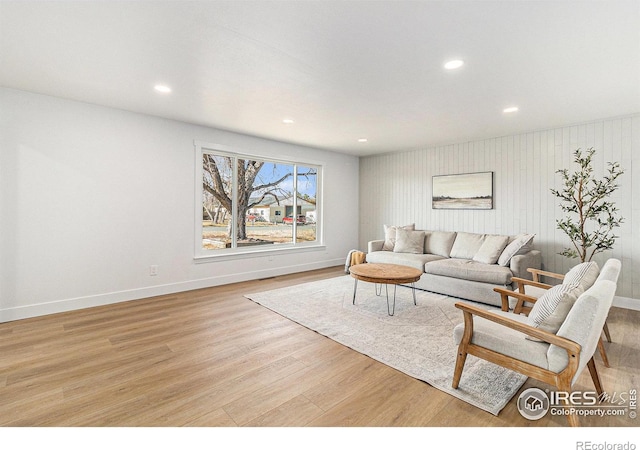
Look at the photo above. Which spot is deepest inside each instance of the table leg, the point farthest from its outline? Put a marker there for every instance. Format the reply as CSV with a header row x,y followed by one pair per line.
x,y
413,288
355,287
391,311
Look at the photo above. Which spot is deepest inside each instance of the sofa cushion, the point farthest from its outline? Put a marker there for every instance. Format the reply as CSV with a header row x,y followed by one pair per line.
x,y
404,259
551,309
582,275
470,270
491,249
409,241
390,235
466,245
440,243
519,243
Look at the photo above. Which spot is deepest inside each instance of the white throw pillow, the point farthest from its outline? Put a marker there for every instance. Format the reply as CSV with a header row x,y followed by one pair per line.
x,y
491,249
409,241
582,275
514,247
440,243
550,310
390,235
466,245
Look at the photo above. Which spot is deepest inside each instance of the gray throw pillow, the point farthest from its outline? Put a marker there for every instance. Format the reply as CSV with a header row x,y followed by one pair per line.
x,y
409,241
440,243
390,235
466,245
520,242
491,249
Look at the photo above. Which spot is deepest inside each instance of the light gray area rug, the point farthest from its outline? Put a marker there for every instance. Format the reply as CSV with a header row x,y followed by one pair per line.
x,y
417,340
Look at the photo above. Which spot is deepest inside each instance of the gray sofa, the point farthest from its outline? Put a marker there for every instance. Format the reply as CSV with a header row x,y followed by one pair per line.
x,y
458,264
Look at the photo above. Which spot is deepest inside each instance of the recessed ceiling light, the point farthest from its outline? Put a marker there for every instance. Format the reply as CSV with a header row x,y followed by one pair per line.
x,y
510,109
454,64
162,88
287,121
362,140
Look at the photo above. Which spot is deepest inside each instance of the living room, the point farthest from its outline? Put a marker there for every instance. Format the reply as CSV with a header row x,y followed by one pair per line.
x,y
98,171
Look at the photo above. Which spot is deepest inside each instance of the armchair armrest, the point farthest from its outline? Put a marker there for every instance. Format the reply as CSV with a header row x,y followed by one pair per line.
x,y
524,282
537,273
471,310
504,298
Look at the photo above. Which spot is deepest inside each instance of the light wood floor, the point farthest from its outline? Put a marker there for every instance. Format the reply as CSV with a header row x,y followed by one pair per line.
x,y
214,358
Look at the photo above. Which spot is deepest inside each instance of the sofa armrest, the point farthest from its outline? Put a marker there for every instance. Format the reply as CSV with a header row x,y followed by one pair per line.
x,y
520,263
375,246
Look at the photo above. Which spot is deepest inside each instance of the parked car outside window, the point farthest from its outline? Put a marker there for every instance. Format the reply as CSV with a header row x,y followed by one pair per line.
x,y
300,220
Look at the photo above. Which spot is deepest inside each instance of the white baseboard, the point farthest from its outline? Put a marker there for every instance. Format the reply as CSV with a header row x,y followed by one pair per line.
x,y
58,306
36,310
627,303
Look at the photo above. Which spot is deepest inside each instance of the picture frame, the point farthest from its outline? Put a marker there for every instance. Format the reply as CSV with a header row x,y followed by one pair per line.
x,y
462,191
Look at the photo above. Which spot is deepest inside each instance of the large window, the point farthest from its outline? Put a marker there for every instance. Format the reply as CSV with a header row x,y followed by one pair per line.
x,y
247,204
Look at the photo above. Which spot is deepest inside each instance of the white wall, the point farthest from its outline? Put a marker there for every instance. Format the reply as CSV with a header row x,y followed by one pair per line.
x,y
90,197
396,189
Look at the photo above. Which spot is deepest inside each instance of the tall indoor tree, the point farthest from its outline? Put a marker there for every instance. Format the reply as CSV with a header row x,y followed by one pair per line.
x,y
591,215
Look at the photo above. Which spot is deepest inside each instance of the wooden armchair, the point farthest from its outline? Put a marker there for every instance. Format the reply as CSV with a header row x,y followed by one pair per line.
x,y
557,359
530,290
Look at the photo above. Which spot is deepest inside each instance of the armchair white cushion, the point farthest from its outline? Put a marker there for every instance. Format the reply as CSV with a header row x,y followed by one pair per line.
x,y
501,339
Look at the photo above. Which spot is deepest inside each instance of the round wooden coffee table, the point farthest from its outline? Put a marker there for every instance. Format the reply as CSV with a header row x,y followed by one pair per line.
x,y
385,274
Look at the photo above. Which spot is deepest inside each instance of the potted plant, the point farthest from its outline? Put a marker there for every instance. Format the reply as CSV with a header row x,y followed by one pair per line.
x,y
591,215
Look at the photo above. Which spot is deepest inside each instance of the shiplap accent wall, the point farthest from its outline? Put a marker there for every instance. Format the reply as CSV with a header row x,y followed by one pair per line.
x,y
395,189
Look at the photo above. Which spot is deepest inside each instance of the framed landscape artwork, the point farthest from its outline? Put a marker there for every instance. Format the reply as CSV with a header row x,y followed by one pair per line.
x,y
463,191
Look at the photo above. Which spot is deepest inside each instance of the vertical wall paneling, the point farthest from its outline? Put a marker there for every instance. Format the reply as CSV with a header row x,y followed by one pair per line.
x,y
396,188
633,224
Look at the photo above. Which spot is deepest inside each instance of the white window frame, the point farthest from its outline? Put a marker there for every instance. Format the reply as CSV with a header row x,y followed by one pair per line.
x,y
203,255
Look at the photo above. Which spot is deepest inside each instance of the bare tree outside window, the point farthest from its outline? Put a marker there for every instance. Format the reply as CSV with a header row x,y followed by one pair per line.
x,y
266,194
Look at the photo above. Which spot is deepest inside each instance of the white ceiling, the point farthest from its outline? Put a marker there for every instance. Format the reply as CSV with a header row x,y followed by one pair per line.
x,y
342,70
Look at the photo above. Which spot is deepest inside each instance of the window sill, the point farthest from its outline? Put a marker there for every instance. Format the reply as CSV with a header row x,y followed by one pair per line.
x,y
257,252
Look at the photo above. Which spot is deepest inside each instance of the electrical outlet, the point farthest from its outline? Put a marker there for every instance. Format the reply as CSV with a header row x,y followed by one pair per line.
x,y
153,270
